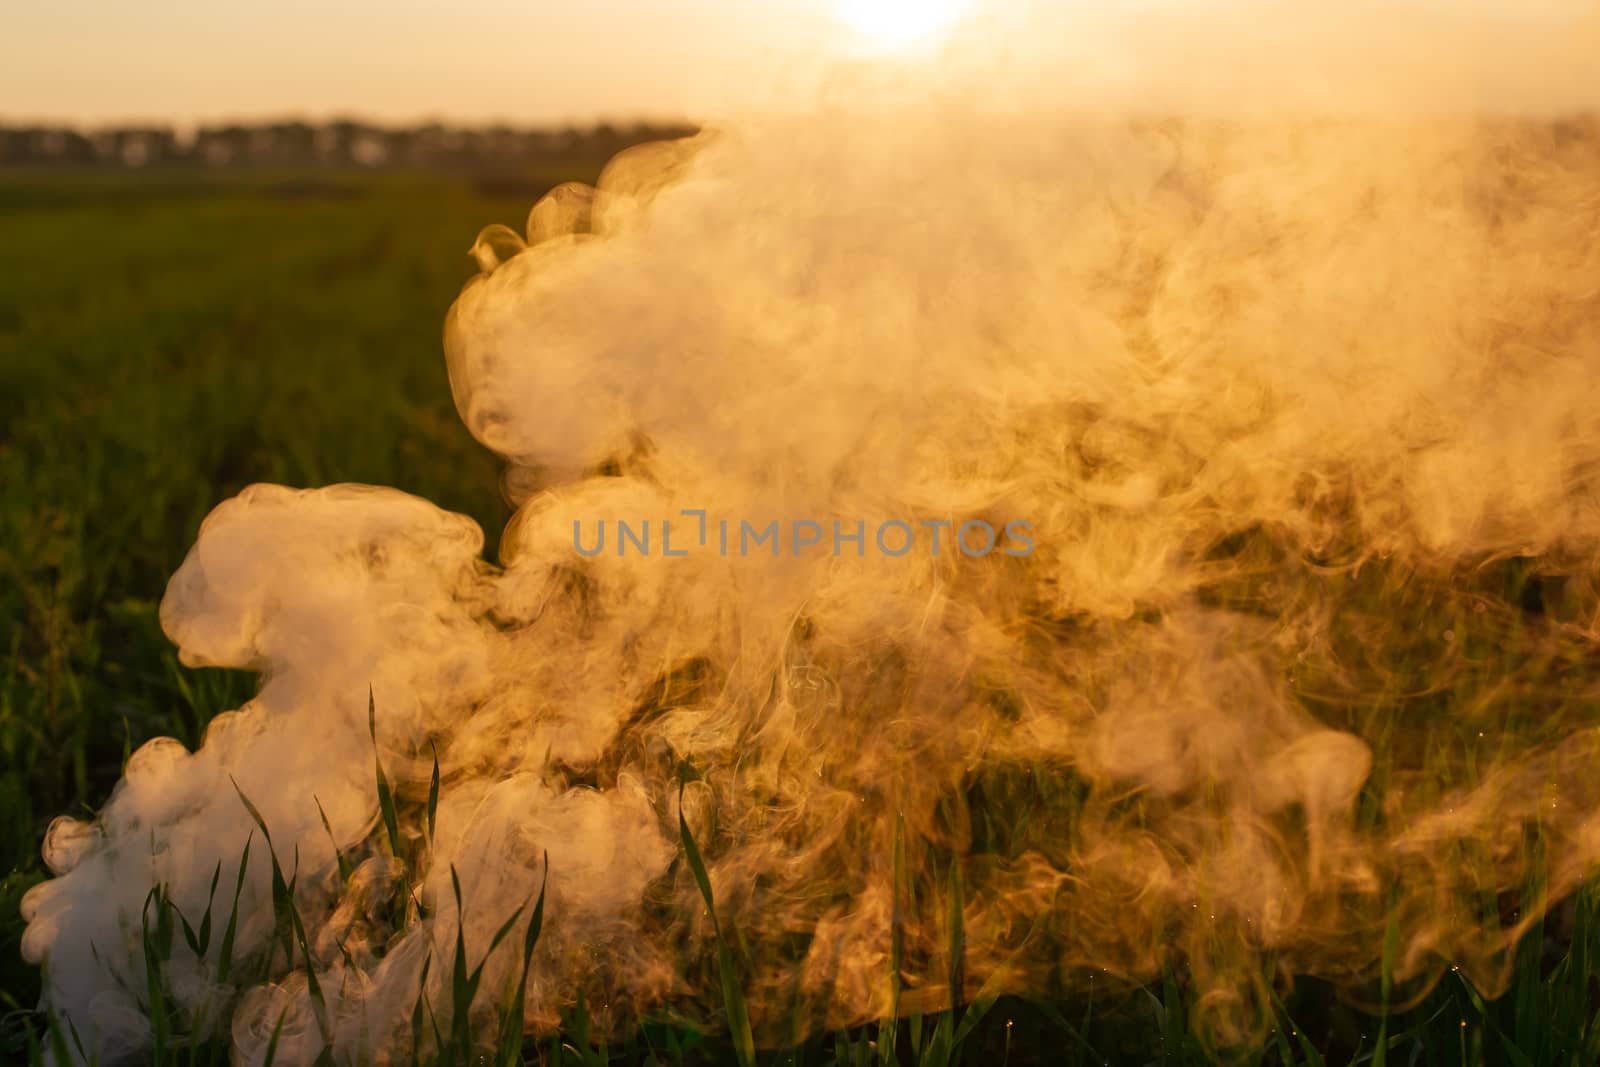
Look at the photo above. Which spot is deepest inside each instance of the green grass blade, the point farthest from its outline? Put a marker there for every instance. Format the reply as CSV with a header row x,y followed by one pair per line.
x,y
462,988
1391,945
956,974
58,1040
386,804
888,1035
225,950
417,1009
513,1022
744,1045
433,793
345,870
282,888
154,987
272,1042
1307,1049
992,987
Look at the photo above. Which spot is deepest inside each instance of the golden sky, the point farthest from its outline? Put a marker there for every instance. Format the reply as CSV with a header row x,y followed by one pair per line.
x,y
187,60
94,61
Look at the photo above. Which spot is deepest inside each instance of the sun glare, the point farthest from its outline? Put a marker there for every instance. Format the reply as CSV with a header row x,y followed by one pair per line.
x,y
892,24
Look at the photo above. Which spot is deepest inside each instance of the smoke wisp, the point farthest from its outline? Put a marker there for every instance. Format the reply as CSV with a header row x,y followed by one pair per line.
x,y
1299,407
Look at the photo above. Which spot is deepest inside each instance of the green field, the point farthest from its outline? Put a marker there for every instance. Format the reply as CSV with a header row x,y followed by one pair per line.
x,y
165,341
168,339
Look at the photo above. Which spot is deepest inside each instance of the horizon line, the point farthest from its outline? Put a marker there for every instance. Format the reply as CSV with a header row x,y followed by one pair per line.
x,y
355,116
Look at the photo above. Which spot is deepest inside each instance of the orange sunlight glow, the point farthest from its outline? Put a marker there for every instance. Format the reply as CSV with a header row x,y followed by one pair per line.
x,y
887,25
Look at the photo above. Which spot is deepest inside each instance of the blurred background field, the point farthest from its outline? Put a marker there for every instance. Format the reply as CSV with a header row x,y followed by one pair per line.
x,y
168,337
174,331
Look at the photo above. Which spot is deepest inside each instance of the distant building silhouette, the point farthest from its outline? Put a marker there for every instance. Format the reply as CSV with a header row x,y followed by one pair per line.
x,y
343,144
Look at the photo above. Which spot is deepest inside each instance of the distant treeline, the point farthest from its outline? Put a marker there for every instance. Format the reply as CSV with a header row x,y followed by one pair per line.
x,y
334,144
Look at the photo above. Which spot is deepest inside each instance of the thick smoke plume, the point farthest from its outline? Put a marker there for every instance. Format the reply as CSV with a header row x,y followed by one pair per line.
x,y
1297,408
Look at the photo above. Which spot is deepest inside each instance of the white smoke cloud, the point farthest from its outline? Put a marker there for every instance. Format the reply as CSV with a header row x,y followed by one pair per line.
x,y
1274,393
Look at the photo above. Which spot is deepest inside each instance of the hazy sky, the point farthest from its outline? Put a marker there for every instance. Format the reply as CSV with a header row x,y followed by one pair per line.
x,y
98,60
94,61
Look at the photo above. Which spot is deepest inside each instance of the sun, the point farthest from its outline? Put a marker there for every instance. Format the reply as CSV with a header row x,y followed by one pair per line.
x,y
894,24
